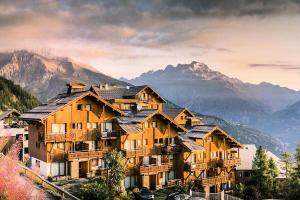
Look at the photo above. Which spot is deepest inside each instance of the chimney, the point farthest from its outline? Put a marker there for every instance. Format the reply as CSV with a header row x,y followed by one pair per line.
x,y
75,87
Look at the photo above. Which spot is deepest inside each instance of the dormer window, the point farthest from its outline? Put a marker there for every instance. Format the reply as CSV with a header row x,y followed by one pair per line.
x,y
154,124
146,124
88,107
79,107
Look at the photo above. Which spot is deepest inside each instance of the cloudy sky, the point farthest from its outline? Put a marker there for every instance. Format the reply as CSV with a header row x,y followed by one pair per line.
x,y
253,40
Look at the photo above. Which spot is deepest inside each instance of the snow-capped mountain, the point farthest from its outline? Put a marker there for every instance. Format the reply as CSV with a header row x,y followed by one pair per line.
x,y
210,92
45,77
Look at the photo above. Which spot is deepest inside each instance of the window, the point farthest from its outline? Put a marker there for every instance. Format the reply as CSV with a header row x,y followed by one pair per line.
x,y
58,128
79,125
26,136
79,107
172,141
171,157
154,124
145,141
26,150
108,126
88,125
38,163
61,145
182,117
88,107
209,139
139,143
146,124
161,140
94,125
155,141
171,175
73,125
127,107
194,158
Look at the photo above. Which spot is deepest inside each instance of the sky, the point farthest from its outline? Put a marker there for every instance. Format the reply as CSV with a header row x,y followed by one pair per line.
x,y
252,40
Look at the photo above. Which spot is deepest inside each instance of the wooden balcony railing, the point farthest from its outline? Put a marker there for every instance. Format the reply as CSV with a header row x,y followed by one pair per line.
x,y
63,137
195,166
210,181
136,152
110,135
230,162
87,154
153,169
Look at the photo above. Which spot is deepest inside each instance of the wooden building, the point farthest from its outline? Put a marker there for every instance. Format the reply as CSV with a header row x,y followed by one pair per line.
x,y
70,135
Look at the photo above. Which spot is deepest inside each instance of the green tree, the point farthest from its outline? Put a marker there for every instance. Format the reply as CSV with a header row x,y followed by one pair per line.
x,y
294,181
115,162
95,189
261,174
273,174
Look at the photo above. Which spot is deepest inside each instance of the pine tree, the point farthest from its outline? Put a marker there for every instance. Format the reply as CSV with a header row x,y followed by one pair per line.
x,y
288,167
273,174
294,182
261,174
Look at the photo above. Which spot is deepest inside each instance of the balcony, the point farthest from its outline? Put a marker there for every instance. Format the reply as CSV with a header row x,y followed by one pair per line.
x,y
210,181
62,137
87,154
109,135
190,167
136,152
230,162
154,169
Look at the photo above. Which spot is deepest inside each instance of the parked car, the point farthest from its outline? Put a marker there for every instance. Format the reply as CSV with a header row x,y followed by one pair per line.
x,y
144,194
178,196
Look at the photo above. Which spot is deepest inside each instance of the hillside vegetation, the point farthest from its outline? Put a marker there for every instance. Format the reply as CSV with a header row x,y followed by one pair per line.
x,y
13,96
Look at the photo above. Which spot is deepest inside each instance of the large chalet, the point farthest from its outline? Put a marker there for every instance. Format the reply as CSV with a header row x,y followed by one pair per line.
x,y
70,135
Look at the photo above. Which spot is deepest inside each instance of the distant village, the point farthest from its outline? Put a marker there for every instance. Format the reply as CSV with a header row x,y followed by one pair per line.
x,y
164,146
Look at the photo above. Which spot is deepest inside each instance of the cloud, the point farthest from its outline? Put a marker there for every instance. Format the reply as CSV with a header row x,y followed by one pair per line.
x,y
275,65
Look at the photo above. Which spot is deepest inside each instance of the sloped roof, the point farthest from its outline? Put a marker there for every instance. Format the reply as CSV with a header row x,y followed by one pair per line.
x,y
8,112
203,131
174,112
189,144
57,103
143,115
130,128
121,92
112,93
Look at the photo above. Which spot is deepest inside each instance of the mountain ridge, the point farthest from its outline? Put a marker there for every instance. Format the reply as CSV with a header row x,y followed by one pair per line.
x,y
45,77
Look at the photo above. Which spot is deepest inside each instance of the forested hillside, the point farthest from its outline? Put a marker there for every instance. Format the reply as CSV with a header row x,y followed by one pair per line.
x,y
13,96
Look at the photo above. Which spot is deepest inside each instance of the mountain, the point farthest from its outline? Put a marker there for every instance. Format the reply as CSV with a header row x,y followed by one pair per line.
x,y
287,123
210,92
13,96
45,77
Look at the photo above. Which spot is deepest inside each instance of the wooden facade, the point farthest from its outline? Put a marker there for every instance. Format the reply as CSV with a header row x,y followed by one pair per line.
x,y
80,127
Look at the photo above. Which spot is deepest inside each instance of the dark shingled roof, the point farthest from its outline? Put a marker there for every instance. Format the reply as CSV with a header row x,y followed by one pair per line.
x,y
189,144
8,112
114,92
54,104
40,112
136,118
173,112
200,131
131,128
